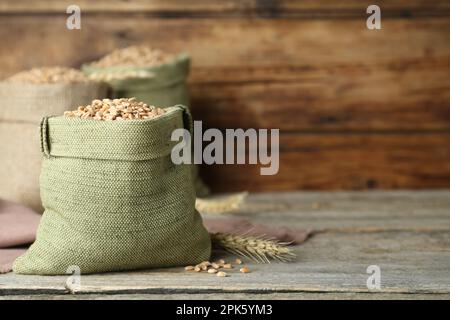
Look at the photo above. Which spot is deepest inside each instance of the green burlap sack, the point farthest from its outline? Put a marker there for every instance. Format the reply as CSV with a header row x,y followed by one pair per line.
x,y
22,107
113,198
160,85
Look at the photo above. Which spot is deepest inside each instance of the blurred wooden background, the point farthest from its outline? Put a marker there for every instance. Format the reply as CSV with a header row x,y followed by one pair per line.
x,y
356,108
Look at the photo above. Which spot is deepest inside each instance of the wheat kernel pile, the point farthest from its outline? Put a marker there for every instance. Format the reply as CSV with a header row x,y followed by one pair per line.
x,y
119,75
48,75
216,267
136,56
116,109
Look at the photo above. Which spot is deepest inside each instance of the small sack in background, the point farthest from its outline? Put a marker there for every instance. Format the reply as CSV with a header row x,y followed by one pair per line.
x,y
147,74
150,75
24,99
113,198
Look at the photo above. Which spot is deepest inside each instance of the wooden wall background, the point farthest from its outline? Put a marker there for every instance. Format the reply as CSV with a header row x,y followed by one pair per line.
x,y
357,109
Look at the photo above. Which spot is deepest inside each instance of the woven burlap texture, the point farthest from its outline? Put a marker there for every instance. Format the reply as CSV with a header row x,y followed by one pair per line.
x,y
162,85
113,198
22,106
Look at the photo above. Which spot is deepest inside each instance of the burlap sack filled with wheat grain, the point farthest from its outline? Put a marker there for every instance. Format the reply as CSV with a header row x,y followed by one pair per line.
x,y
113,198
21,108
162,85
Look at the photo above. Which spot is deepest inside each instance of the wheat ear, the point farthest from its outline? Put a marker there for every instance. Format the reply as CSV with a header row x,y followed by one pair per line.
x,y
221,205
257,248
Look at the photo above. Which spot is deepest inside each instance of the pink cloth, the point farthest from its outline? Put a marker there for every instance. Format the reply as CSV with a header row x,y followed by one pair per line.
x,y
18,226
7,257
244,226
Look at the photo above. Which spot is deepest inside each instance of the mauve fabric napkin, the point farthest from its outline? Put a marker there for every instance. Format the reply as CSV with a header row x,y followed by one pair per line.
x,y
18,226
7,257
239,225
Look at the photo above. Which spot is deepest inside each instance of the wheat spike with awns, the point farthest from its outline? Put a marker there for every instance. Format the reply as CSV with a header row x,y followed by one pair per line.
x,y
257,248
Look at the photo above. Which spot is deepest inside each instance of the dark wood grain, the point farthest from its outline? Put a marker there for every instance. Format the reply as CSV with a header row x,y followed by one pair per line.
x,y
379,97
345,161
219,8
356,108
325,75
35,6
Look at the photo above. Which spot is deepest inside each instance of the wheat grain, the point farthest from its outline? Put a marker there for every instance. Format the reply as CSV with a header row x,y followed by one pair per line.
x,y
136,56
221,205
244,270
119,75
257,248
215,265
47,75
116,109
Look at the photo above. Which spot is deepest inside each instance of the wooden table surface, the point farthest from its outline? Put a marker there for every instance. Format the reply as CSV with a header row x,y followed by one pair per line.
x,y
405,233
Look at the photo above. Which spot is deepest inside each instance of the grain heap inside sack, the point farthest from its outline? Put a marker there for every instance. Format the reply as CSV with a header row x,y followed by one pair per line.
x,y
128,62
149,74
116,109
138,56
48,75
25,98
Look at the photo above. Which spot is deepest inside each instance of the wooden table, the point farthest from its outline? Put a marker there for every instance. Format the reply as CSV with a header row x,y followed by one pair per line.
x,y
406,234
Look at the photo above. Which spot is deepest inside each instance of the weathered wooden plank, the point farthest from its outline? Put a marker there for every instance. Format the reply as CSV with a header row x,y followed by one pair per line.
x,y
345,161
410,262
315,44
327,75
378,97
269,8
331,265
235,296
348,212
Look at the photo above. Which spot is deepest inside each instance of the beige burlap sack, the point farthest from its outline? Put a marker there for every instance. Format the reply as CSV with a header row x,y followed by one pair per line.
x,y
22,107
